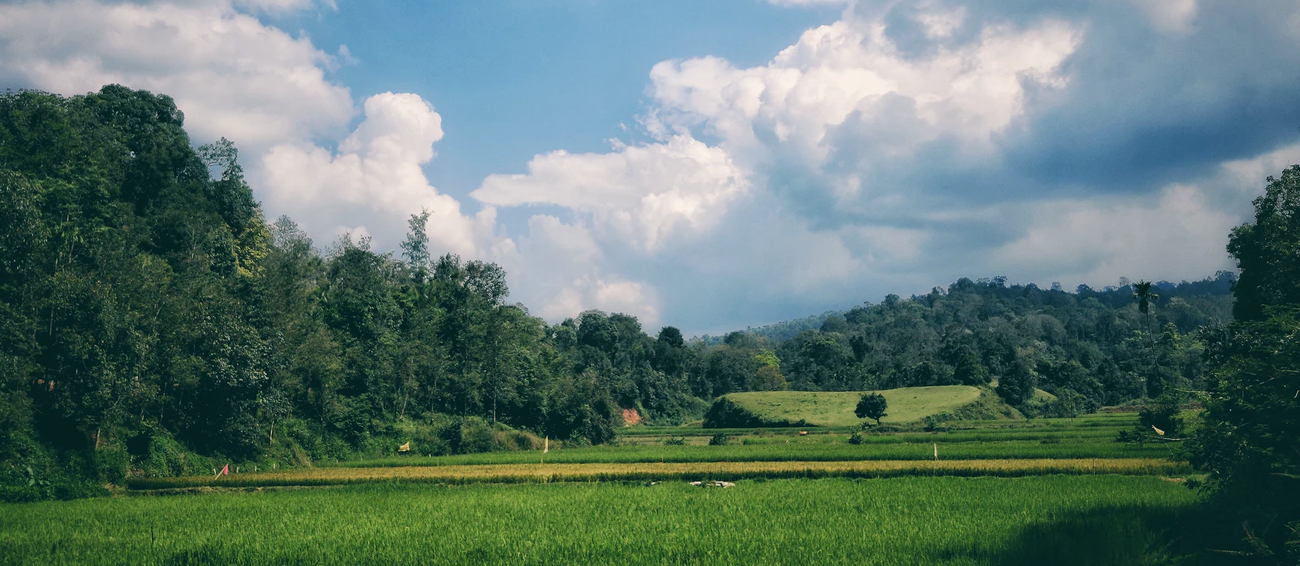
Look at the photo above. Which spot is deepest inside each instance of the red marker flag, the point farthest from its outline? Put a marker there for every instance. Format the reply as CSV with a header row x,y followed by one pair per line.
x,y
225,471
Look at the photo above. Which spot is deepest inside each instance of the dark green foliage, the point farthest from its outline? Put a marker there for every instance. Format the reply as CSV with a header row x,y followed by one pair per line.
x,y
1017,385
725,413
1249,435
471,436
719,439
150,317
1100,344
1068,404
1265,250
872,406
1165,414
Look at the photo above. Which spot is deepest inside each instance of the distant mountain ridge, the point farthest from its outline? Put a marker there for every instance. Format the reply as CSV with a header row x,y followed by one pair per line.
x,y
1219,285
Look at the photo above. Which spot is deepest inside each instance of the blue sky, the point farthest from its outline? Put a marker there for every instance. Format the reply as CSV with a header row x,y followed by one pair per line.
x,y
516,78
718,164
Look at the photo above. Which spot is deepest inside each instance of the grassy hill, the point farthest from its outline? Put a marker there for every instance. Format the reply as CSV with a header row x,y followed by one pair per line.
x,y
835,408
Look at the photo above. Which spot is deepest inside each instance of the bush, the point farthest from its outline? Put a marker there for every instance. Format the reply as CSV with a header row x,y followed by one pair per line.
x,y
111,464
1068,405
36,474
425,435
934,423
1164,415
855,439
719,440
725,413
507,438
472,436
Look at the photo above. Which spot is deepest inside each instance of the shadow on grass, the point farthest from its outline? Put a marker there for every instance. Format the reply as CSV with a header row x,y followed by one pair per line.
x,y
1111,536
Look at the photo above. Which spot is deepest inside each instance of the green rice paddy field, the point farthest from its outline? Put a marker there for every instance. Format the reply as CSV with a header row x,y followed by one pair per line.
x,y
1002,492
1058,519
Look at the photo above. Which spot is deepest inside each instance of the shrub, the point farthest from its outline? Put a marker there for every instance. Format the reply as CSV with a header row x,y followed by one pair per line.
x,y
472,436
934,423
507,438
719,440
111,464
725,413
1164,415
855,439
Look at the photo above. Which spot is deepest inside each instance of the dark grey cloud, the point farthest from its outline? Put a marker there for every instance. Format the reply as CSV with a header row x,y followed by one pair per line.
x,y
1147,107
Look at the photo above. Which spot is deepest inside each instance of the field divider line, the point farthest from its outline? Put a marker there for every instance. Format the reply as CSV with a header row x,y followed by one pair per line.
x,y
686,471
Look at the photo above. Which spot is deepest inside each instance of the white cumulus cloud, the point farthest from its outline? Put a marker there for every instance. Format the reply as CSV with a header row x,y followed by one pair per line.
x,y
718,224
853,69
642,195
231,75
376,173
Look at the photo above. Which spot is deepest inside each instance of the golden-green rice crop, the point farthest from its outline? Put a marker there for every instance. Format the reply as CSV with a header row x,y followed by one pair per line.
x,y
515,473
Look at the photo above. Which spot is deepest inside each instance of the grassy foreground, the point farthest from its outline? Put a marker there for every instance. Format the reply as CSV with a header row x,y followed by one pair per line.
x,y
543,473
836,408
899,521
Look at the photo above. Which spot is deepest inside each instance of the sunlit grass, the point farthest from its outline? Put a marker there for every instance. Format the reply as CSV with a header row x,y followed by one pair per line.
x,y
900,521
836,408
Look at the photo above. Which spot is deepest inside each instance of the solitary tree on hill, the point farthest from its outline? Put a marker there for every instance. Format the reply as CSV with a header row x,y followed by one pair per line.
x,y
872,406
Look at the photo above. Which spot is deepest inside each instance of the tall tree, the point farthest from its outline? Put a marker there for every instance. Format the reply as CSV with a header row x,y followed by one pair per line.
x,y
1145,296
1250,428
1265,250
872,406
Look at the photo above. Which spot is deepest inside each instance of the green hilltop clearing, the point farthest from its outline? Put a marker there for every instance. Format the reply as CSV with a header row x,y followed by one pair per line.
x,y
835,408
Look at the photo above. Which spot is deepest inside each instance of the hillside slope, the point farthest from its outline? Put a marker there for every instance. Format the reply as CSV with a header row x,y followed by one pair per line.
x,y
835,408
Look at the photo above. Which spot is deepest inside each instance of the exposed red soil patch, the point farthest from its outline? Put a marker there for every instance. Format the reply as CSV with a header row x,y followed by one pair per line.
x,y
631,417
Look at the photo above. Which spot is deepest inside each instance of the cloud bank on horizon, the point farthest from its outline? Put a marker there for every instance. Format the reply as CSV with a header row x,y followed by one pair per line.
x,y
901,146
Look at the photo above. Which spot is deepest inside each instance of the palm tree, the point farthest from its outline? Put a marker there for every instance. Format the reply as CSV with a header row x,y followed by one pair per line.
x,y
1142,292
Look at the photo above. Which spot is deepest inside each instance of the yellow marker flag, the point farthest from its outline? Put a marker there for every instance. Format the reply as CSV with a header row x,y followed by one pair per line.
x,y
405,447
546,446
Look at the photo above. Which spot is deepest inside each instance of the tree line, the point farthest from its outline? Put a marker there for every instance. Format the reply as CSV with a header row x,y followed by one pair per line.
x,y
1090,348
145,299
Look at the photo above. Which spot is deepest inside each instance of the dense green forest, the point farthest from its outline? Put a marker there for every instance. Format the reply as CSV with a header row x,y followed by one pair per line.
x,y
147,302
1093,347
153,321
